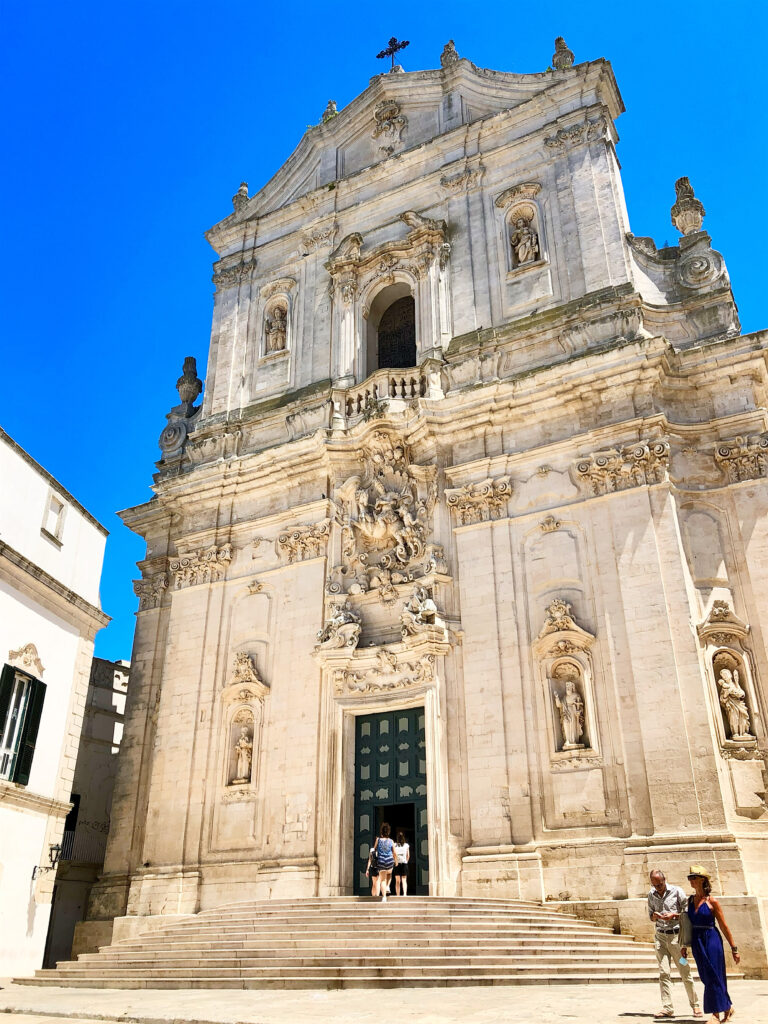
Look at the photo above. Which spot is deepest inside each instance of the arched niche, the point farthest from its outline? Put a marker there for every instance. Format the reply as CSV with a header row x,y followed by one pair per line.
x,y
570,705
523,226
733,683
391,329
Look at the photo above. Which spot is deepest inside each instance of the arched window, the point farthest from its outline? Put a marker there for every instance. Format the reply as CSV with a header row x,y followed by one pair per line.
x,y
392,329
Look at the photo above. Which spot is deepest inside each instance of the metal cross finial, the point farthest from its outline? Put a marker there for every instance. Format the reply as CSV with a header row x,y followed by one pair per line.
x,y
392,47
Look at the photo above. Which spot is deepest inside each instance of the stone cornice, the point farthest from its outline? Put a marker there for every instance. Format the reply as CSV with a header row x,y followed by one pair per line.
x,y
14,795
64,601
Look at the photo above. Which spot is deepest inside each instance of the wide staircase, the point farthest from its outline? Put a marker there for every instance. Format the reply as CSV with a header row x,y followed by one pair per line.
x,y
347,942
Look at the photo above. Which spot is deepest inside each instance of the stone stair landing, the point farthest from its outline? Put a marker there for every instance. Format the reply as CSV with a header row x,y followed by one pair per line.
x,y
346,942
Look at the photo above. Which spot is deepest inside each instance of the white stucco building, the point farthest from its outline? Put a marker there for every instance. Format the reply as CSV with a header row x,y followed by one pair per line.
x,y
51,553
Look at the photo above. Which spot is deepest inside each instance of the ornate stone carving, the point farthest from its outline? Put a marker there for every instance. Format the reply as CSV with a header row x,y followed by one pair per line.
x,y
419,613
526,191
240,198
282,286
276,329
524,241
243,755
390,125
570,708
550,524
588,130
318,237
342,628
570,763
387,675
383,513
688,212
203,566
618,469
244,669
480,502
449,56
722,627
330,112
27,659
734,704
743,458
182,417
150,590
464,180
562,58
226,275
560,633
306,541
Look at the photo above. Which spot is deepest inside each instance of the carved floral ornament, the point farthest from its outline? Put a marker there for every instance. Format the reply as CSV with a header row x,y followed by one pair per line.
x,y
743,458
617,469
390,123
464,180
588,130
150,590
245,683
27,659
479,502
722,627
226,275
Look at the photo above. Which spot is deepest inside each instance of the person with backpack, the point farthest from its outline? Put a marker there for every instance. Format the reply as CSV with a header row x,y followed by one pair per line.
x,y
384,849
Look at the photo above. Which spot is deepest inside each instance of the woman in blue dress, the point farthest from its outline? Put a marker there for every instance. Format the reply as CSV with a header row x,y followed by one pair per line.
x,y
705,913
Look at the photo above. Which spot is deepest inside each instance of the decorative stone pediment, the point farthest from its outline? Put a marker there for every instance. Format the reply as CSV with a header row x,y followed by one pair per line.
x,y
245,683
518,193
560,633
425,244
480,502
618,469
722,627
282,286
743,458
26,659
207,565
306,541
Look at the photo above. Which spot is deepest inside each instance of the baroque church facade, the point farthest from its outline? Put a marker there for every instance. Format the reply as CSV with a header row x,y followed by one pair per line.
x,y
467,532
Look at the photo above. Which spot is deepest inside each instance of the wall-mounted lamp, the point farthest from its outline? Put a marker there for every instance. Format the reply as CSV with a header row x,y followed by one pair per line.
x,y
54,852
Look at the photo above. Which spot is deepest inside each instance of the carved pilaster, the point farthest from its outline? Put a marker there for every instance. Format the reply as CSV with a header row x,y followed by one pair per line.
x,y
743,458
305,541
617,469
479,502
204,566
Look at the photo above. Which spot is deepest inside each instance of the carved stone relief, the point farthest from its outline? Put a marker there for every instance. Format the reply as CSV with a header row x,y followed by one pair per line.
x,y
276,328
385,676
617,469
150,590
588,130
480,502
227,274
743,458
389,127
566,685
342,628
203,566
27,659
306,541
384,513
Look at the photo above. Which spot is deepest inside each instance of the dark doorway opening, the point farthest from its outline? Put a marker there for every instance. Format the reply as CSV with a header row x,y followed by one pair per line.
x,y
397,335
400,818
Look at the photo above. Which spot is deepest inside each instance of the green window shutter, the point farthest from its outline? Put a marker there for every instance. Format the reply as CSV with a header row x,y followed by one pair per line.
x,y
26,749
6,689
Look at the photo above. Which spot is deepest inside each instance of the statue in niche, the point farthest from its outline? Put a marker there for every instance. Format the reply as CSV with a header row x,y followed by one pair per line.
x,y
244,756
419,612
571,710
524,242
276,329
733,702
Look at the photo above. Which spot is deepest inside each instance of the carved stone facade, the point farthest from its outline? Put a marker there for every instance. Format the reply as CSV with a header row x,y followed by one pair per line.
x,y
542,538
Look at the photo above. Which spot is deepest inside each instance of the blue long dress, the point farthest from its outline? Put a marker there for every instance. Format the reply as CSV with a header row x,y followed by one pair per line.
x,y
707,949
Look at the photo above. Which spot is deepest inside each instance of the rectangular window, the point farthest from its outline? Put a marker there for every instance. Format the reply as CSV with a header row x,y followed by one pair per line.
x,y
53,520
21,705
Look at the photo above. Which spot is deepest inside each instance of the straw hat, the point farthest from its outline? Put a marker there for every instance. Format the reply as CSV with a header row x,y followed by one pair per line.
x,y
698,869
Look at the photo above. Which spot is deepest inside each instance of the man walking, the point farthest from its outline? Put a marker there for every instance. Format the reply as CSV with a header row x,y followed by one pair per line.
x,y
665,905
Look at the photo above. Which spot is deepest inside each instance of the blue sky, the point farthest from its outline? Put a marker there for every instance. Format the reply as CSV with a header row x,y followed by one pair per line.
x,y
129,127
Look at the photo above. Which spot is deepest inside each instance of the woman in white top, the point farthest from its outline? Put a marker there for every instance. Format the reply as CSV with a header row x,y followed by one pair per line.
x,y
403,855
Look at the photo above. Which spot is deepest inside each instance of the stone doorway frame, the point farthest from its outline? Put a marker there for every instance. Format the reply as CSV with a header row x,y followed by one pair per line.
x,y
336,764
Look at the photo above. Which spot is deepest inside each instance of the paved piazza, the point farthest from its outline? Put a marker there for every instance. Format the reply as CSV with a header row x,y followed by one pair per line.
x,y
577,1004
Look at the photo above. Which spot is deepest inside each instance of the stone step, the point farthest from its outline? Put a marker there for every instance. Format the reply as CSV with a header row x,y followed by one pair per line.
x,y
361,958
300,947
556,977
